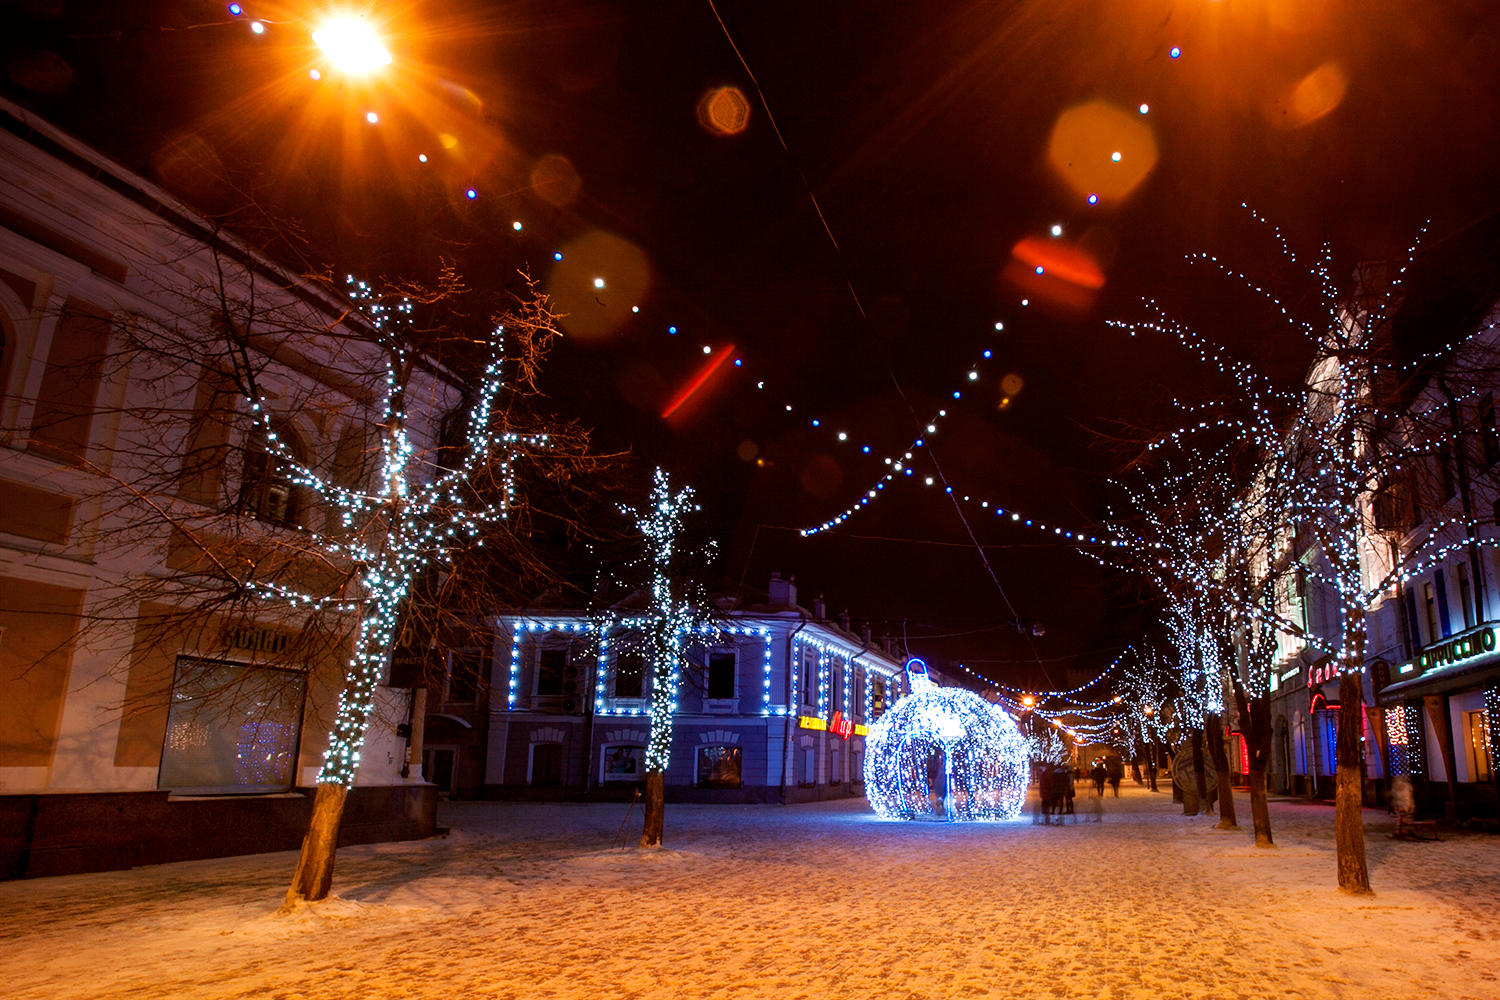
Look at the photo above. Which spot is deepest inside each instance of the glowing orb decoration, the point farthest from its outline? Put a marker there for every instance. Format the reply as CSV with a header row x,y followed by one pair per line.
x,y
944,753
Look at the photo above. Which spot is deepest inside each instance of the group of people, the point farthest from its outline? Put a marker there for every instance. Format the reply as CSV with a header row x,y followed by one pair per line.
x,y
1057,783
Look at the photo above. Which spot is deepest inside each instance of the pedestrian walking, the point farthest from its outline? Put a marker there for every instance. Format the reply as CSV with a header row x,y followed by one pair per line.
x,y
1098,774
1043,812
1115,769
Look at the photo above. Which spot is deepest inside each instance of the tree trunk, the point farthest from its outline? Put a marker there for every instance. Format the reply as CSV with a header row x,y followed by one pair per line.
x,y
1227,818
1349,820
1255,726
655,806
314,875
1200,780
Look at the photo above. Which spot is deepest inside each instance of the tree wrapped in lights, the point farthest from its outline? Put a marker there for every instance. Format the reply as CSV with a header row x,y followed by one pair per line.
x,y
979,748
669,621
409,524
1339,462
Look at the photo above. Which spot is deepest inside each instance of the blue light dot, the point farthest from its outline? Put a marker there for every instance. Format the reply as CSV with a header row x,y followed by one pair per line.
x,y
1175,52
815,423
1093,199
957,395
1039,270
867,449
236,9
908,472
471,194
557,256
987,354
670,329
738,362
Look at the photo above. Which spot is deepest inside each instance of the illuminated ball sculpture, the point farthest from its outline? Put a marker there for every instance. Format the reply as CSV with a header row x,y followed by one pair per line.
x,y
944,753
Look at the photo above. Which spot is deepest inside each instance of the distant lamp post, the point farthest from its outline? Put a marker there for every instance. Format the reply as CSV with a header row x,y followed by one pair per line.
x,y
351,45
1028,700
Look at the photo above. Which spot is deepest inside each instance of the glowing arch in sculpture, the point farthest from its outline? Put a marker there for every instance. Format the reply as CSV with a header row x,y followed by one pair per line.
x,y
983,756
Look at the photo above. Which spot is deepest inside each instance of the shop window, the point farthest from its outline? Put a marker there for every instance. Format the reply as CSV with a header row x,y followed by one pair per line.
x,y
623,762
231,727
1477,745
551,665
719,767
835,776
809,767
630,675
721,675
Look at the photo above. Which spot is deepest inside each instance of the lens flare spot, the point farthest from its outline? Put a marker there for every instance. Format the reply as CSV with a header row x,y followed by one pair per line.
x,y
556,181
747,451
724,111
1102,150
1315,96
448,141
822,476
578,295
1012,384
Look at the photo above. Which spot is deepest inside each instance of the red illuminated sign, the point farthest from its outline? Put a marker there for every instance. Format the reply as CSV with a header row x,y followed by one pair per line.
x,y
842,726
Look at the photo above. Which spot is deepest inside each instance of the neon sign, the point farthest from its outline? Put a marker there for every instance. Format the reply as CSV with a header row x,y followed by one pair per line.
x,y
1454,650
838,725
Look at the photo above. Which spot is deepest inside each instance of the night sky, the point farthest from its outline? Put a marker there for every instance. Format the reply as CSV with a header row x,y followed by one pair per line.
x,y
925,132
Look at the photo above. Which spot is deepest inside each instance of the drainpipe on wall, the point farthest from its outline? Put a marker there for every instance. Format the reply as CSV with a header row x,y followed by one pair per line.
x,y
786,729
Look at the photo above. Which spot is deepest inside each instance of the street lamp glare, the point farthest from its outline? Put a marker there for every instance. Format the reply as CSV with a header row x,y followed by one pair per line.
x,y
351,45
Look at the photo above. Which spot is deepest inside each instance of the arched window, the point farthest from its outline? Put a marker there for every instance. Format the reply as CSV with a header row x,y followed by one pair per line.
x,y
267,492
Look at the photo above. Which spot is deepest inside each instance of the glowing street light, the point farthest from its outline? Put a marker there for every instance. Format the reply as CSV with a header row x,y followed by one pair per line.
x,y
351,45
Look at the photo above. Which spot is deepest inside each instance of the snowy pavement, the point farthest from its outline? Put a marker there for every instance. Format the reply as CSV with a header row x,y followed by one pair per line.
x,y
822,900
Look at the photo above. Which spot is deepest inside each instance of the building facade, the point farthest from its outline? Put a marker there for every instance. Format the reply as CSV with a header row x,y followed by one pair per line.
x,y
140,721
773,706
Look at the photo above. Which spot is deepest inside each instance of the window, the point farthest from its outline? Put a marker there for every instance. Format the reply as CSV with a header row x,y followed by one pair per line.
x,y
1489,441
1477,745
721,675
877,701
1429,612
231,727
266,491
857,768
809,676
551,665
623,762
1466,595
1445,469
719,767
835,776
859,694
207,447
835,688
630,675
546,765
809,767
64,414
465,675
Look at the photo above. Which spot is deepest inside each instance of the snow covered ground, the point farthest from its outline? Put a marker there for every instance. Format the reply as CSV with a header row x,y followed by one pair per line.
x,y
821,901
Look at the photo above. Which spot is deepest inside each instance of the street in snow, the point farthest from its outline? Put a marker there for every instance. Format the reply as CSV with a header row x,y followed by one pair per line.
x,y
816,900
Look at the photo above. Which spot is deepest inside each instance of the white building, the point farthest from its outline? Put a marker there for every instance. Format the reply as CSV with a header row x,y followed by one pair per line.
x,y
134,728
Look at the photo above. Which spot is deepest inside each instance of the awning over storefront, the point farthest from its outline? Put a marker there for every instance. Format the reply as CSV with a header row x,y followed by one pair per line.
x,y
1466,673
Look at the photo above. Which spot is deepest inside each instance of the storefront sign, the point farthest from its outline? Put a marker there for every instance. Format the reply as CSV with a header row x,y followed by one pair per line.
x,y
838,724
1450,651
